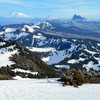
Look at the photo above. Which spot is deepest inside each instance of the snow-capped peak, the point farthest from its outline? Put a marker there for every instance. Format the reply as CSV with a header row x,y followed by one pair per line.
x,y
46,25
19,15
30,28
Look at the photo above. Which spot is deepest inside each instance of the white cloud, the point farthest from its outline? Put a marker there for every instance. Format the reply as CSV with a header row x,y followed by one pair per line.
x,y
19,15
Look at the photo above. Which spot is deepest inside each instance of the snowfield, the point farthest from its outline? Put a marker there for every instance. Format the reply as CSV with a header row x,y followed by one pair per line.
x,y
5,54
8,30
40,89
25,71
35,49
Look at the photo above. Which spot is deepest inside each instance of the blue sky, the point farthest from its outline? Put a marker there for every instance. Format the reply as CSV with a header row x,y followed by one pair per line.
x,y
54,8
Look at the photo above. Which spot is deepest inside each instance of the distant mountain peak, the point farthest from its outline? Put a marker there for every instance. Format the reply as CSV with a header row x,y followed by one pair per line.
x,y
19,15
78,18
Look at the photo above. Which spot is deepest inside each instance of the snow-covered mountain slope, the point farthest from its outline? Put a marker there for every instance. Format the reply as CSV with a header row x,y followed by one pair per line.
x,y
17,31
69,52
5,53
7,49
55,49
40,89
17,60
